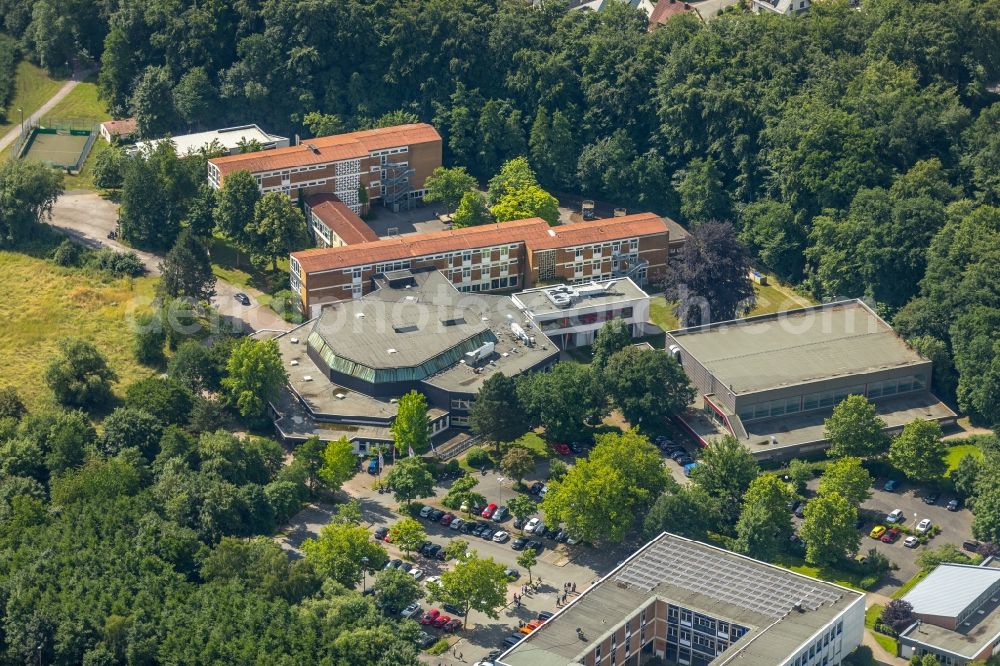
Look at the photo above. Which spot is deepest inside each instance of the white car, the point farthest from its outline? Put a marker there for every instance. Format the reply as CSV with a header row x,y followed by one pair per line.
x,y
432,579
416,573
544,490
500,536
532,524
426,511
572,540
411,610
895,517
456,523
924,525
911,541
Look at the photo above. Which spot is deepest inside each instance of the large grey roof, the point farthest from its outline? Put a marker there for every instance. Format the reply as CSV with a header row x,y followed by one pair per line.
x,y
951,588
796,346
720,583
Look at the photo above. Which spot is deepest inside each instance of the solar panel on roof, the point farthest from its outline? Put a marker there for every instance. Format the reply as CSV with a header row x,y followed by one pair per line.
x,y
724,579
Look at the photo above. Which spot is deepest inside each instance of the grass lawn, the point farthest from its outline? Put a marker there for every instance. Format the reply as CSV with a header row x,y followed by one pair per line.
x,y
85,179
772,298
959,451
660,313
909,585
44,302
81,103
32,88
234,267
888,643
830,574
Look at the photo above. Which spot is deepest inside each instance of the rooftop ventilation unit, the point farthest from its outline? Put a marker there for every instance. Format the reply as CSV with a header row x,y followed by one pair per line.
x,y
477,355
294,341
307,378
561,296
293,362
340,396
596,289
390,350
519,333
312,147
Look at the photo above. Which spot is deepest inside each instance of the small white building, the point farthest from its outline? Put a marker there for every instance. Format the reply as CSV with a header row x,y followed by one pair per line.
x,y
786,7
229,138
571,315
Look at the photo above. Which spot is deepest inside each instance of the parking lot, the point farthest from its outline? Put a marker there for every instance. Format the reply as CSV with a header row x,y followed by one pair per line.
x,y
955,526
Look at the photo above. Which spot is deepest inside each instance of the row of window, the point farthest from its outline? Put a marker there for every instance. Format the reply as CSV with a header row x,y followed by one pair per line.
x,y
389,151
815,651
827,399
487,285
598,248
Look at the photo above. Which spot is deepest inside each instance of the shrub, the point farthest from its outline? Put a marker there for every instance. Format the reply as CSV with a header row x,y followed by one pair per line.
x,y
149,339
67,254
557,470
868,582
11,405
439,648
477,457
285,303
118,264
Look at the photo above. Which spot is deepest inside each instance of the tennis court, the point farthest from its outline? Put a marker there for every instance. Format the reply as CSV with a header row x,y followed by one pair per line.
x,y
58,147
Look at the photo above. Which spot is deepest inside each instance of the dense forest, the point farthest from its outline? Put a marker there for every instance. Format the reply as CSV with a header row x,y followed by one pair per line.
x,y
856,151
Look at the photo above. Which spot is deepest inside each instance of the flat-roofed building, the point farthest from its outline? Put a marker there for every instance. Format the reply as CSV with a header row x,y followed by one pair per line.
x,y
415,331
388,164
687,602
333,224
571,315
231,139
771,380
491,257
957,608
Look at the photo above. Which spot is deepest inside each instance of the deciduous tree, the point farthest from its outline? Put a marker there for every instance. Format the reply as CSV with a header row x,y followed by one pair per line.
x,y
846,477
685,510
411,429
338,550
496,413
473,584
396,590
611,338
828,528
765,524
854,429
340,463
527,559
187,270
28,189
471,211
278,229
918,451
517,462
410,480
725,471
254,374
646,383
234,207
79,376
408,534
449,186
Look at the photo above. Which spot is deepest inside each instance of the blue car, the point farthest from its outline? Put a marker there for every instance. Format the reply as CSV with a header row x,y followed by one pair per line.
x,y
890,485
689,468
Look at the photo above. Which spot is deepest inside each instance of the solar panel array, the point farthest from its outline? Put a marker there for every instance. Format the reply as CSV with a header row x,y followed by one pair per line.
x,y
729,580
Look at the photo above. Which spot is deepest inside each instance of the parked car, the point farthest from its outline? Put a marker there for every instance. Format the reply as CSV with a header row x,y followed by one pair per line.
x,y
487,533
446,519
576,447
891,535
426,511
512,640
686,460
500,536
890,485
452,626
800,510
572,540
410,610
456,523
467,527
545,489
678,454
924,526
434,550
489,510
690,467
425,640
561,536
436,515
911,541
416,573
451,608
512,573
519,522
955,505
519,543
537,545
895,516
562,449
380,533
877,532
971,545
540,530
545,616
932,497
536,487
432,579
477,529
441,620
425,548
532,524
530,626
500,514
430,616
242,298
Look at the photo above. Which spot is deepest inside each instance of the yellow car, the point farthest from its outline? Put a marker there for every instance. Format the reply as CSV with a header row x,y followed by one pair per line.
x,y
877,532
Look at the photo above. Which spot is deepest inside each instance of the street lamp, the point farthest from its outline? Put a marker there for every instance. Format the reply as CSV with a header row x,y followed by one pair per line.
x,y
364,574
500,481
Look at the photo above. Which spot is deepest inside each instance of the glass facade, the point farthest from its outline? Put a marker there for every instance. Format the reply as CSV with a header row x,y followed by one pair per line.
x,y
697,639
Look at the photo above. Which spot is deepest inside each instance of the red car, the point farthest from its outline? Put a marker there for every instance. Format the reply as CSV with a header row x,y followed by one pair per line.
x,y
562,449
453,626
441,621
488,511
447,518
430,616
890,536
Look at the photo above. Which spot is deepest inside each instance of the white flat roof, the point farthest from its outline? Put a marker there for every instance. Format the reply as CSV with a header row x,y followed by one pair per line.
x,y
950,588
581,296
228,137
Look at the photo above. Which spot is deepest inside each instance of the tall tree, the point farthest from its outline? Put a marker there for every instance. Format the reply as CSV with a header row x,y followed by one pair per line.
x,y
407,534
449,186
79,376
918,451
195,98
28,189
646,383
710,279
854,429
531,201
396,590
254,374
153,103
338,550
685,510
340,463
473,584
514,175
234,208
472,211
725,471
187,270
701,191
846,477
278,229
562,399
527,559
828,529
765,523
410,480
517,462
611,338
496,413
410,428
